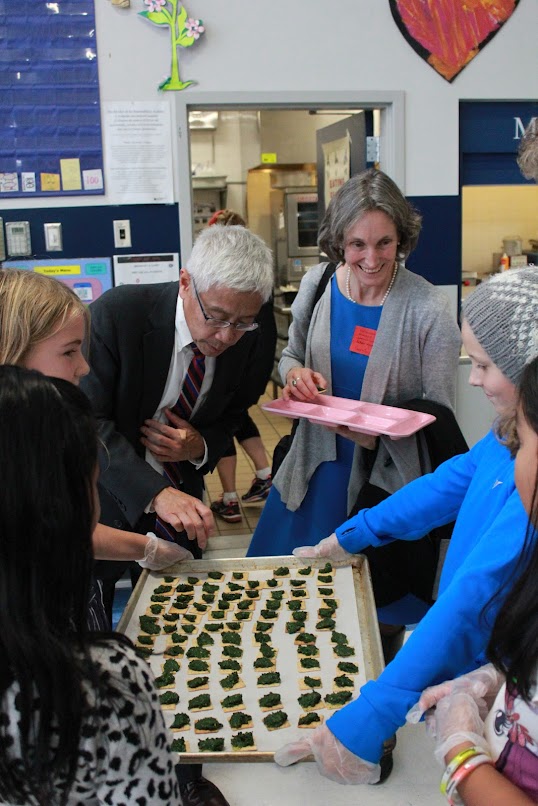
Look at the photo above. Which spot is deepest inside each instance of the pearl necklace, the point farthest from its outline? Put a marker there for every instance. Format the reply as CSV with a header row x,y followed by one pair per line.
x,y
387,292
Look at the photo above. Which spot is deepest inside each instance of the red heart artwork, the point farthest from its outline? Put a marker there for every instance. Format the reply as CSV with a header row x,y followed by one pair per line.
x,y
449,33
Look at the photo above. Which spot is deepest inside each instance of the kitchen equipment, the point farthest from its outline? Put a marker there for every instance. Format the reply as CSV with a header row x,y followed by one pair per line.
x,y
294,233
512,245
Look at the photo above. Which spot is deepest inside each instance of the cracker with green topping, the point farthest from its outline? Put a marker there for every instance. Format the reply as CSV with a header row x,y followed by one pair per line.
x,y
233,702
310,720
240,720
202,702
307,682
208,724
337,699
198,683
179,745
231,681
242,741
269,679
276,720
215,744
169,699
310,700
271,701
181,722
196,666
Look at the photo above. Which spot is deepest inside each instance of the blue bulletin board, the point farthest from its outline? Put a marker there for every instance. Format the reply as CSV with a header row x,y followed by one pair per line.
x,y
88,277
50,120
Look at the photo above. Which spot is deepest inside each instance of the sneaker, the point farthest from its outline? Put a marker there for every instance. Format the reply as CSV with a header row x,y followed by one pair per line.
x,y
258,492
228,512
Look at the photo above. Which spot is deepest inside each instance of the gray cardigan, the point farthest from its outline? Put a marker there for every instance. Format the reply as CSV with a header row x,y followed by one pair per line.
x,y
415,354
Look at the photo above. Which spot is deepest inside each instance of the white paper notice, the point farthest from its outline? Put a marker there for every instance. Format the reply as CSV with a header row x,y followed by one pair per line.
x,y
28,182
144,269
337,170
138,152
93,179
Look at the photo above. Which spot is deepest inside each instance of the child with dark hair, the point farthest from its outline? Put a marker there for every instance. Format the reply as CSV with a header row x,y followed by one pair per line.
x,y
493,759
80,719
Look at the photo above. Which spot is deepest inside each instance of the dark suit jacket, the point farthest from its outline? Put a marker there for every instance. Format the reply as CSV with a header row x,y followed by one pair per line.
x,y
131,343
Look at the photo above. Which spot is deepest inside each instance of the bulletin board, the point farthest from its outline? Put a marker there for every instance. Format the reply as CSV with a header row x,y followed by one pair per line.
x,y
88,277
50,120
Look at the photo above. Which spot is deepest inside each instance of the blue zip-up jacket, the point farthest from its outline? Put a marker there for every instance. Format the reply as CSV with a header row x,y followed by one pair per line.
x,y
477,489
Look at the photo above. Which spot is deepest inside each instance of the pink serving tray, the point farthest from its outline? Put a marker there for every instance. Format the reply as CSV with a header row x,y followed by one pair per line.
x,y
368,418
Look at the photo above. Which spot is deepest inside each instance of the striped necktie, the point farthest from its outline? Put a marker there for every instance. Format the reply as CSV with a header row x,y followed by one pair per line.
x,y
188,395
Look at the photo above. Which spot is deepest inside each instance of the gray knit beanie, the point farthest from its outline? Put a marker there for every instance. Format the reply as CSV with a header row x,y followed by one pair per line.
x,y
503,315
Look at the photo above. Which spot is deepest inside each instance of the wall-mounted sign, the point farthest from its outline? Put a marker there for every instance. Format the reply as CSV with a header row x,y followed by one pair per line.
x,y
268,157
448,34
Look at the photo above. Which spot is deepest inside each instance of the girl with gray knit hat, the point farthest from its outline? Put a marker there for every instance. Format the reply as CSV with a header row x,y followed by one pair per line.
x,y
500,333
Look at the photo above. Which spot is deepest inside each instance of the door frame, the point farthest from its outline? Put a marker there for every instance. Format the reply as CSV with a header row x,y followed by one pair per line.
x,y
391,145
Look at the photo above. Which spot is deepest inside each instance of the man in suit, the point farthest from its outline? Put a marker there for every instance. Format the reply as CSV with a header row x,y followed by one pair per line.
x,y
144,341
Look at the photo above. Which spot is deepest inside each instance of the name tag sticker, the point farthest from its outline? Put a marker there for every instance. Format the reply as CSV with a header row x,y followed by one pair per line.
x,y
363,340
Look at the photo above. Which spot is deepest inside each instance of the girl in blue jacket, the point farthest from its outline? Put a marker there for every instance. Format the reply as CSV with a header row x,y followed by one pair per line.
x,y
500,334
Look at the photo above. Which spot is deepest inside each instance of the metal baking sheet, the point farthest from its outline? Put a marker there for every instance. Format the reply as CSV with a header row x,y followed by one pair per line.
x,y
356,616
357,415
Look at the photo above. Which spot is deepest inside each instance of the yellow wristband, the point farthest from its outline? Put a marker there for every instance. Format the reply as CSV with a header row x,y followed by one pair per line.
x,y
456,762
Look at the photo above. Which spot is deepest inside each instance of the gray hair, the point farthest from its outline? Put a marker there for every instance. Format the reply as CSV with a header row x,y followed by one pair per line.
x,y
364,193
527,157
232,257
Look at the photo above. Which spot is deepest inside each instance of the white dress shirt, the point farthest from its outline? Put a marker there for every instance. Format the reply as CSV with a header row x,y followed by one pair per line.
x,y
179,364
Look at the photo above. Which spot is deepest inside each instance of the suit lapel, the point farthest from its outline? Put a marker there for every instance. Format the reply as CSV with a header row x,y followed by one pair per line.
x,y
158,344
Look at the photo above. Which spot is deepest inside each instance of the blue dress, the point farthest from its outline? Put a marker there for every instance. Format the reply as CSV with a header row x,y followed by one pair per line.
x,y
324,507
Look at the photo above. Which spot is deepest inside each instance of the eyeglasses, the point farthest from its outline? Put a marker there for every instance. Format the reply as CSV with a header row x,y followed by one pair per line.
x,y
220,324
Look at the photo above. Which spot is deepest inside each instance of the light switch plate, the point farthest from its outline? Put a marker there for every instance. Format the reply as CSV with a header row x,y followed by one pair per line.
x,y
53,237
122,234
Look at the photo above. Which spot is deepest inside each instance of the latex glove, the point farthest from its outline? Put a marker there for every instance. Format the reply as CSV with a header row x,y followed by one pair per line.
x,y
160,553
483,684
327,549
333,759
454,720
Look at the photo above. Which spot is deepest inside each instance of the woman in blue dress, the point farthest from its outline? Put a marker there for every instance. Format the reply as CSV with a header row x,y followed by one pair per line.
x,y
378,333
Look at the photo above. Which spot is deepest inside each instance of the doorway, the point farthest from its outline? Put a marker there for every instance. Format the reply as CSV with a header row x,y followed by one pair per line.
x,y
335,104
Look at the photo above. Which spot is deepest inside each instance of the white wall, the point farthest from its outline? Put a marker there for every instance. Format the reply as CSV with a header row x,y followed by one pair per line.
x,y
311,45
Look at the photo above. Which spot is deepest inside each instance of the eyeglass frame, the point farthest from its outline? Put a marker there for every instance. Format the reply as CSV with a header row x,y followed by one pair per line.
x,y
222,324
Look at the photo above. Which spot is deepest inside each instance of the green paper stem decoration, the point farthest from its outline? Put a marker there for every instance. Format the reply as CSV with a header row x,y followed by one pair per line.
x,y
184,32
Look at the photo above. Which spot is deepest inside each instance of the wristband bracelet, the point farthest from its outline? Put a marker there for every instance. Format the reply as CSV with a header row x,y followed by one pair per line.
x,y
461,773
456,762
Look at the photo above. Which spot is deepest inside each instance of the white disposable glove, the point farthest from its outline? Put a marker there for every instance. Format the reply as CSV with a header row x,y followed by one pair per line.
x,y
160,553
333,759
327,549
456,719
483,684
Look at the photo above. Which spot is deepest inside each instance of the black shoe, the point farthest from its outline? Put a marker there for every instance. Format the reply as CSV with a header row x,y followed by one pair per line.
x,y
258,492
386,762
201,792
228,512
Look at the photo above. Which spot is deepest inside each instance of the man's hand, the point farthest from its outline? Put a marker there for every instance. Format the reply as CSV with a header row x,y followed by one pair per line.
x,y
178,442
185,513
